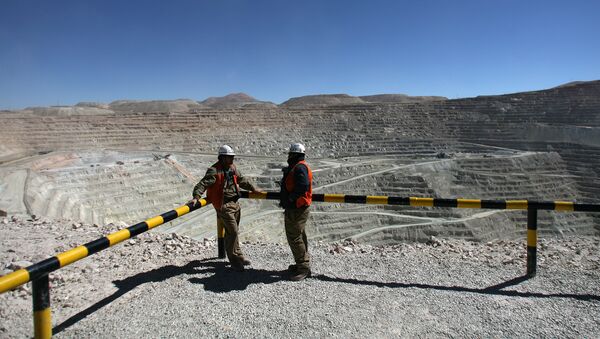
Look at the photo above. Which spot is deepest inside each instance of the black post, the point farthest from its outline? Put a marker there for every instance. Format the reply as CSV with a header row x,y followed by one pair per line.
x,y
221,238
42,315
531,242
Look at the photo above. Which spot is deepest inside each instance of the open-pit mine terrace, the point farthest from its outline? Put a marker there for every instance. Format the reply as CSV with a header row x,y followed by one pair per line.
x,y
123,162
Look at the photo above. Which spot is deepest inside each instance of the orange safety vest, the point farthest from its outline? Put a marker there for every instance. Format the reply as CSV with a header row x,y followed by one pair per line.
x,y
214,192
306,199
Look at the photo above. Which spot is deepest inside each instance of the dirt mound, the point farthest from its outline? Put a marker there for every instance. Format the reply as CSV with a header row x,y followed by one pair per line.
x,y
179,105
236,100
400,98
67,110
92,104
323,100
228,99
571,84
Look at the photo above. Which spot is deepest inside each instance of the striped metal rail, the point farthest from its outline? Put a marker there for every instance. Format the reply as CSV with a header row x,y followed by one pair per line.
x,y
439,202
531,206
38,273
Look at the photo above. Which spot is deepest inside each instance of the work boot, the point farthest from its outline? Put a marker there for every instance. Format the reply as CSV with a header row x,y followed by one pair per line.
x,y
245,262
292,268
300,275
237,266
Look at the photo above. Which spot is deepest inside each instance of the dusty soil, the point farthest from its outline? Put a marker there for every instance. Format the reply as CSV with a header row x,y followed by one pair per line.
x,y
165,285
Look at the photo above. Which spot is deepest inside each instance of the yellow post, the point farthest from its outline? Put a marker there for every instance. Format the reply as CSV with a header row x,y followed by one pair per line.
x,y
531,242
42,315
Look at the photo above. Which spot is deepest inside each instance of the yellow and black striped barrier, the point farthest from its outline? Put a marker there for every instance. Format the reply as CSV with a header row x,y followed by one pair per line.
x,y
35,271
439,202
531,206
38,273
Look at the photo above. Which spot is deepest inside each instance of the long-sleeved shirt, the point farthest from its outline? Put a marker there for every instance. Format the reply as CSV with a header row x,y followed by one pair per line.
x,y
230,191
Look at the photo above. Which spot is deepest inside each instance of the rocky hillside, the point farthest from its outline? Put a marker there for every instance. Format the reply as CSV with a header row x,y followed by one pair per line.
x,y
97,165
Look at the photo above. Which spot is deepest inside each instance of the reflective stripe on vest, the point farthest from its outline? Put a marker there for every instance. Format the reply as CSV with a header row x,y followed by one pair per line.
x,y
215,191
290,184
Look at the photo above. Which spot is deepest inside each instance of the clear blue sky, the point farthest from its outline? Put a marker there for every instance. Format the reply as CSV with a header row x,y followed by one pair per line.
x,y
64,52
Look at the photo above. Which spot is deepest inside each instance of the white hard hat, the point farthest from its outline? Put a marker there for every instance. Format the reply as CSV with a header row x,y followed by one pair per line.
x,y
226,150
297,148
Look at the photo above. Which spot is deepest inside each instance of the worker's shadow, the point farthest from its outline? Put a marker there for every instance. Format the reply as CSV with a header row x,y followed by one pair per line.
x,y
498,289
225,279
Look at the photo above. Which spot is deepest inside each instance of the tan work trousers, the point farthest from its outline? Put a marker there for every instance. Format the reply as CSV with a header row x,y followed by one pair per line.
x,y
229,217
295,224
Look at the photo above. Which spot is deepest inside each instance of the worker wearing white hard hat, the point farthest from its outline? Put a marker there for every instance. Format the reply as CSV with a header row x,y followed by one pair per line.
x,y
222,183
226,150
296,198
297,148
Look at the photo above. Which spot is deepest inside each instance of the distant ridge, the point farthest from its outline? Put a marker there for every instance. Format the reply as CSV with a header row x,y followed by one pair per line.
x,y
572,83
242,100
345,99
323,100
569,86
228,99
235,100
92,104
402,98
179,105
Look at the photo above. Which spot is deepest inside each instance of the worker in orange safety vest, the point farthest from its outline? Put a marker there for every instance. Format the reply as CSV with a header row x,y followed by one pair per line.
x,y
296,198
222,183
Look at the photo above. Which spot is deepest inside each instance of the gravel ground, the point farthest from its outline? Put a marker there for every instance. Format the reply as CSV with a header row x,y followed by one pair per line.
x,y
165,285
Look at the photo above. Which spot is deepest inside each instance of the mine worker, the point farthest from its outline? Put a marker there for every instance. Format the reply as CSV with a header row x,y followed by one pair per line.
x,y
222,183
295,198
